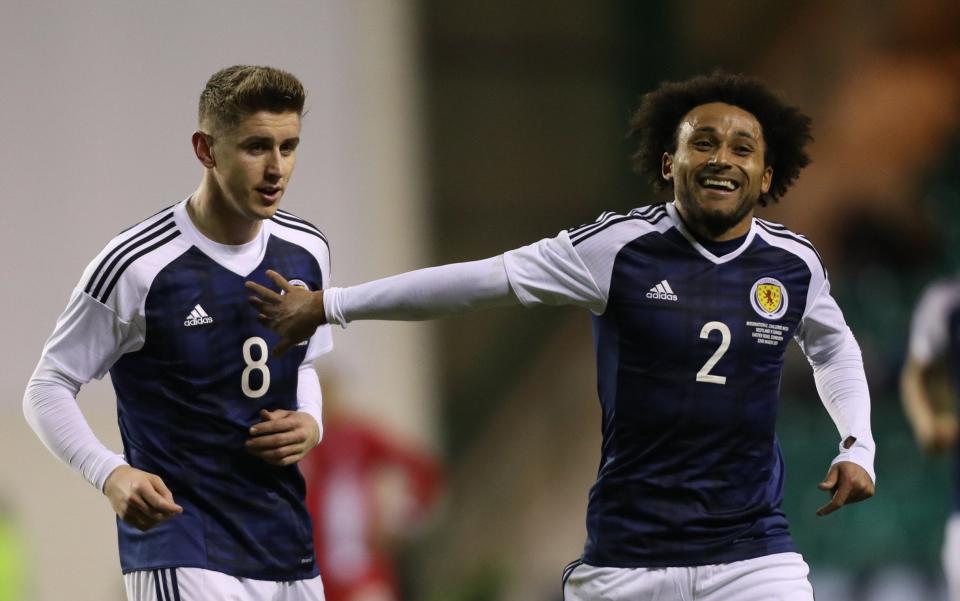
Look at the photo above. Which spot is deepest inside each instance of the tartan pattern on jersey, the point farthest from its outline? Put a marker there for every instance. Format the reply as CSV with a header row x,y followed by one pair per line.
x,y
184,415
691,472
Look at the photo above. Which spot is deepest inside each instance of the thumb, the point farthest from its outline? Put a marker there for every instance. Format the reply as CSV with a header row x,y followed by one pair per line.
x,y
269,416
165,501
830,481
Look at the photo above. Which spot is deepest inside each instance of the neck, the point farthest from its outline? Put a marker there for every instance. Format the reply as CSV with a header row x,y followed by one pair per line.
x,y
706,229
216,219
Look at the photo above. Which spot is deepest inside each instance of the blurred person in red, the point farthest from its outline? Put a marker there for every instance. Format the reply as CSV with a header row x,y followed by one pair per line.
x,y
366,491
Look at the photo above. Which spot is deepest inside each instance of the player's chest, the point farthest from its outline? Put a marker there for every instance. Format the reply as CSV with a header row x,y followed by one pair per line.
x,y
198,312
684,305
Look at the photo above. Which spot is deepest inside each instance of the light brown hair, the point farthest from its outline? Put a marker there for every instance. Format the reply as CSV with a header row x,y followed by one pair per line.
x,y
235,92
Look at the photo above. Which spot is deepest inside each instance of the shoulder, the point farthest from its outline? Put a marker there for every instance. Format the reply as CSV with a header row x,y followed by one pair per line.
x,y
942,288
941,296
780,236
132,258
613,227
288,226
303,234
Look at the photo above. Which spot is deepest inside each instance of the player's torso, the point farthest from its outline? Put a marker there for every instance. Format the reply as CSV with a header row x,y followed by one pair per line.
x,y
699,345
689,355
186,401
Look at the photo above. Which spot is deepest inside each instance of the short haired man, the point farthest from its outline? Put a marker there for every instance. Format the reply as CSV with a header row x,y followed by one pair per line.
x,y
693,304
209,499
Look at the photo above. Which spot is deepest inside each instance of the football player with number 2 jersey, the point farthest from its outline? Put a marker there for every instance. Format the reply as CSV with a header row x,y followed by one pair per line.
x,y
209,499
693,303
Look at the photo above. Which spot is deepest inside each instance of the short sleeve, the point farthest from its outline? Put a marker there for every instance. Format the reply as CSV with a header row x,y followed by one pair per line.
x,y
929,326
90,337
551,272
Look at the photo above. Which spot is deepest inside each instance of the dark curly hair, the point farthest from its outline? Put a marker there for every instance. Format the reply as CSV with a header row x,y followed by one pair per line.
x,y
655,124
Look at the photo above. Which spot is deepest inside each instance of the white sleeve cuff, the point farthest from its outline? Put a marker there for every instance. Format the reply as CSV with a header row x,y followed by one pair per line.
x,y
309,395
862,453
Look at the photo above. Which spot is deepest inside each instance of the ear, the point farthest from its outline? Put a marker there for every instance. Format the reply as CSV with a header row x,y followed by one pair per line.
x,y
203,149
666,166
766,180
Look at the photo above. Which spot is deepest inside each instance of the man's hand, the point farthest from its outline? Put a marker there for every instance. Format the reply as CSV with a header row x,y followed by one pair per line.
x,y
848,483
938,435
283,437
294,314
141,499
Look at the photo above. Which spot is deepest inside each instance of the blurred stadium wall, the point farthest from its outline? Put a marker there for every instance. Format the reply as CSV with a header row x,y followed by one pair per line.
x,y
99,102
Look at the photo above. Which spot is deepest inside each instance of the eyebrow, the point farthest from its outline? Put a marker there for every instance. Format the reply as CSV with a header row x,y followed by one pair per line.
x,y
710,129
268,139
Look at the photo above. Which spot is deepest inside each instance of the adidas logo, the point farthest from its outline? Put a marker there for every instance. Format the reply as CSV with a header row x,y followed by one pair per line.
x,y
662,291
197,317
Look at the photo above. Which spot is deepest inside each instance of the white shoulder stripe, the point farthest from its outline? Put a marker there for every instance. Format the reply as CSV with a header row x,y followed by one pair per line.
x,y
771,235
125,242
599,249
650,215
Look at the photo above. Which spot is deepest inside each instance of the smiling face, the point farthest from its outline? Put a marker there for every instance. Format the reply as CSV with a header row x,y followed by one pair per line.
x,y
253,162
718,169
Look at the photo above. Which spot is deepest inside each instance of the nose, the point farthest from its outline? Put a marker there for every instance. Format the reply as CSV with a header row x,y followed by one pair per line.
x,y
273,165
720,156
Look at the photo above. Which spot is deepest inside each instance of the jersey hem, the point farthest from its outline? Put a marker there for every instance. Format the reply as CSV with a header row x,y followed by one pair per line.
x,y
250,575
766,547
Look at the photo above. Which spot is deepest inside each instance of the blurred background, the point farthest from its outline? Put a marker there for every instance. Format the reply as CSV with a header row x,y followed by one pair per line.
x,y
442,131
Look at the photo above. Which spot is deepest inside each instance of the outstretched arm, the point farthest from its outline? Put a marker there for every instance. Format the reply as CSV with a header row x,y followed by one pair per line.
x,y
428,293
549,272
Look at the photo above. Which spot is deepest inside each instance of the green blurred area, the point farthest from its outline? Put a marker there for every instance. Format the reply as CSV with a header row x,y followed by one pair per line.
x,y
902,524
12,563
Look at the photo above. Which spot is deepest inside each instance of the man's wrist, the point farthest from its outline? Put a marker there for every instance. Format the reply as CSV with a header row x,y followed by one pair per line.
x,y
317,313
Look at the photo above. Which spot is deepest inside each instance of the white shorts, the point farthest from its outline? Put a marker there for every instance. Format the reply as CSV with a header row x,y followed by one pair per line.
x,y
195,584
778,577
951,556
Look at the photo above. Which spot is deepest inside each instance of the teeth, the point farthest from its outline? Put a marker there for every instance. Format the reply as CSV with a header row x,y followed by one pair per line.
x,y
719,183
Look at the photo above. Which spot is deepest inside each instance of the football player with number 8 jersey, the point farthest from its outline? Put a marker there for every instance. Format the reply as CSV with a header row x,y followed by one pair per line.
x,y
693,304
210,502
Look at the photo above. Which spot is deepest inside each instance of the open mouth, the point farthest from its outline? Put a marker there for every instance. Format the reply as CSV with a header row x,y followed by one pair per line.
x,y
720,184
270,192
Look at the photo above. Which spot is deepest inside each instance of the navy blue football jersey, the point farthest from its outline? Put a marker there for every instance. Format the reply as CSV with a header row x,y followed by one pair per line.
x,y
935,336
689,350
165,311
